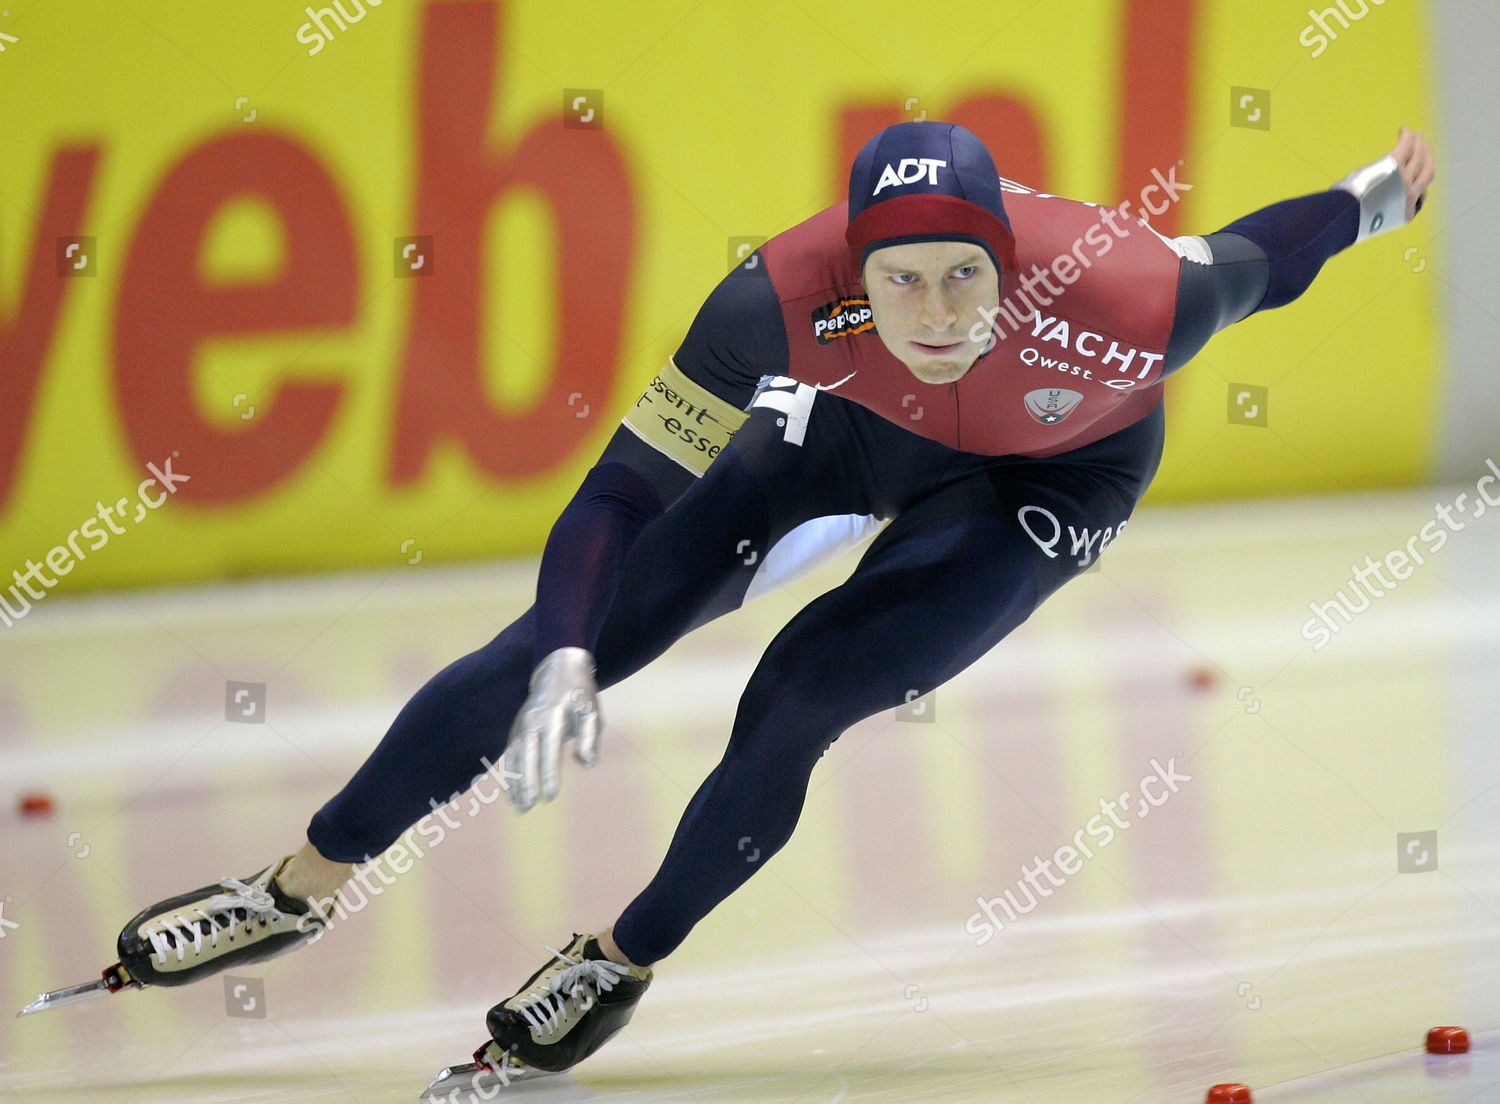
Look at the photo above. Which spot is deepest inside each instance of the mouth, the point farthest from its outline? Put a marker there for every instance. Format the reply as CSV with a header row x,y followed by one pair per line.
x,y
937,350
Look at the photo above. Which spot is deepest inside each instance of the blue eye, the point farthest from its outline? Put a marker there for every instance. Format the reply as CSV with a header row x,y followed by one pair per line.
x,y
967,271
905,277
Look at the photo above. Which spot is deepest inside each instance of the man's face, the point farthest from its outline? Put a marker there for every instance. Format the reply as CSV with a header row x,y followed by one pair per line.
x,y
925,297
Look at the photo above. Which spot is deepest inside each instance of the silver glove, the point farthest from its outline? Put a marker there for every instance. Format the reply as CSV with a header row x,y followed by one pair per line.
x,y
562,706
1382,196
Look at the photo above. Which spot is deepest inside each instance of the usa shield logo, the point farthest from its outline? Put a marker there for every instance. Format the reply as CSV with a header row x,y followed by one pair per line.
x,y
1050,405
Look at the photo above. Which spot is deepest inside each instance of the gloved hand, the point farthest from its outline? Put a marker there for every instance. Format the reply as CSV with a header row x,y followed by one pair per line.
x,y
1390,191
562,706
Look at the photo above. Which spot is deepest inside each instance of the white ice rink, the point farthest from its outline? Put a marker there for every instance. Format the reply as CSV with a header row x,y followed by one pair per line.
x,y
1252,928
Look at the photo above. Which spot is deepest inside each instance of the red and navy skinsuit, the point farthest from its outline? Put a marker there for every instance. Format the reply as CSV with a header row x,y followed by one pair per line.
x,y
999,489
1113,324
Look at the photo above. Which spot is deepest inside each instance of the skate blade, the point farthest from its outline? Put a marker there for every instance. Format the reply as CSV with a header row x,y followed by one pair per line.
x,y
484,1079
111,981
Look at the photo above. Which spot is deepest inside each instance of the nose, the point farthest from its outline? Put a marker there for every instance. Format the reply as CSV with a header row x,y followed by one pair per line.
x,y
938,312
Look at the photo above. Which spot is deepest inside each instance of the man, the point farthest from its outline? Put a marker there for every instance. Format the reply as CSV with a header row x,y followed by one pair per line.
x,y
952,355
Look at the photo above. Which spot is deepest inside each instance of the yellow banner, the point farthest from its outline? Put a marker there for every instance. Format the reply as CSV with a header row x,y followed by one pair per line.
x,y
371,283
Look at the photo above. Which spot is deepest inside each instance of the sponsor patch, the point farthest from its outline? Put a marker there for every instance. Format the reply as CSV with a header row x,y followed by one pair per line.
x,y
909,170
1050,405
843,318
682,420
793,399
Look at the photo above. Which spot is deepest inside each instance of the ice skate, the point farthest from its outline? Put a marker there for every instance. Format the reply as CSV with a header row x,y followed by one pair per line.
x,y
566,1010
569,1008
186,938
490,1071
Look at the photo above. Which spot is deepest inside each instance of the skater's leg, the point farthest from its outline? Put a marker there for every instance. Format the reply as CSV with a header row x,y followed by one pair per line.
x,y
433,750
952,575
688,565
697,561
308,876
450,732
940,587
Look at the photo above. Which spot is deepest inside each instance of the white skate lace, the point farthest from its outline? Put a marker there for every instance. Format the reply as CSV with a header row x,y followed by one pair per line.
x,y
177,932
543,1012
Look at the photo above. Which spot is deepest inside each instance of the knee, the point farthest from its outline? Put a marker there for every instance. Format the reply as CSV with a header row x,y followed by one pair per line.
x,y
348,831
793,707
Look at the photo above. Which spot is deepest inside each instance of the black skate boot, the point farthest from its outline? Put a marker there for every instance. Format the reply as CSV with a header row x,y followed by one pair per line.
x,y
191,937
186,938
569,1008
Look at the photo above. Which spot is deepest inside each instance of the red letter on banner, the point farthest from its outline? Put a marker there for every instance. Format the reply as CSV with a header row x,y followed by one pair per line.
x,y
167,312
1155,97
461,177
26,336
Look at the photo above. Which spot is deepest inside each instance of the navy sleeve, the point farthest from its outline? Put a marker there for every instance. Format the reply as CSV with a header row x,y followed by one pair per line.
x,y
737,337
1297,237
1261,261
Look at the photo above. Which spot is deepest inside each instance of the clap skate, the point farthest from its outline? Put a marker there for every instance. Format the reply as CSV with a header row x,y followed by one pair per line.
x,y
491,1070
565,1012
189,937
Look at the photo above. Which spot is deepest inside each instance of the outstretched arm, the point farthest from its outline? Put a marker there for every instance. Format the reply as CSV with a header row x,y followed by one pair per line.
x,y
1269,257
686,415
